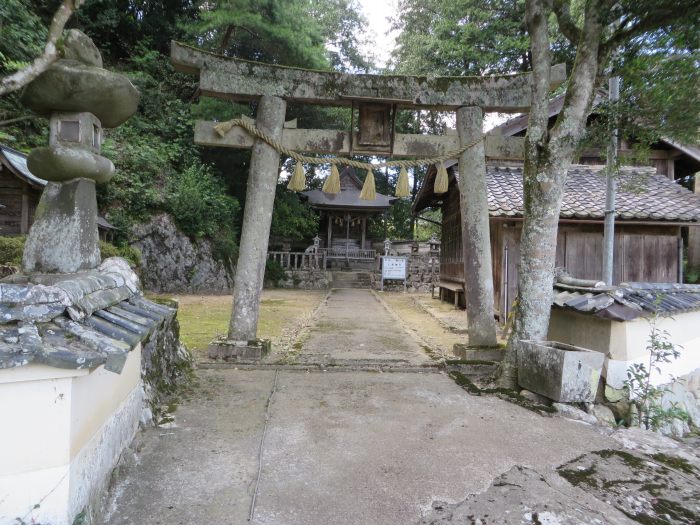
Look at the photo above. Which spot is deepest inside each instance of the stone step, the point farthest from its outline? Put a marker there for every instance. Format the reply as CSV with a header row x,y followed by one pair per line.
x,y
478,353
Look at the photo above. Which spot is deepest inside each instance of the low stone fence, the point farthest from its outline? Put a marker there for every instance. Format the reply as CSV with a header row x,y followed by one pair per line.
x,y
306,279
423,272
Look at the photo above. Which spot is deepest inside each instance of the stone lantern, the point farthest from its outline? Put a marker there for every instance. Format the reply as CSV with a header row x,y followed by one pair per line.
x,y
387,246
79,97
434,245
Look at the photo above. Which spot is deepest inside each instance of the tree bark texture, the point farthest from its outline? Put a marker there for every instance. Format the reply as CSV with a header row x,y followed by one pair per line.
x,y
476,240
257,217
548,155
24,76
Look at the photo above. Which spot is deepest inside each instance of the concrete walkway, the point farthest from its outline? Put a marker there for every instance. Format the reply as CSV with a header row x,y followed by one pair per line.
x,y
337,447
355,327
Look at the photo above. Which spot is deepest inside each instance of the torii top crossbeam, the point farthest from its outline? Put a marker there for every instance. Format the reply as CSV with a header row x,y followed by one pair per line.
x,y
236,79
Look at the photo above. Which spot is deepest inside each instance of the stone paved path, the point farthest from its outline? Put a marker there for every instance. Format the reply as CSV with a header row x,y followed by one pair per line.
x,y
337,447
353,327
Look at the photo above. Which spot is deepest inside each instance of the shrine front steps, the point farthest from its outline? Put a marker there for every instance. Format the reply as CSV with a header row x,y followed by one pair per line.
x,y
345,279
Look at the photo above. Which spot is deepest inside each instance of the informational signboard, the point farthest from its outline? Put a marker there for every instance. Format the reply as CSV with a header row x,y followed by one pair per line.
x,y
395,269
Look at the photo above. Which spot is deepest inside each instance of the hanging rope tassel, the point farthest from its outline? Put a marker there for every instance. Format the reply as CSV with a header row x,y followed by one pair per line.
x,y
298,180
441,181
332,184
402,184
369,192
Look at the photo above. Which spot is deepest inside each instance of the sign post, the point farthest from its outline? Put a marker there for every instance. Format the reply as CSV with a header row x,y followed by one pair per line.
x,y
394,269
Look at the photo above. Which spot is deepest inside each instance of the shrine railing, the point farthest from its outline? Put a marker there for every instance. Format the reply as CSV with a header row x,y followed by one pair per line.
x,y
298,260
354,254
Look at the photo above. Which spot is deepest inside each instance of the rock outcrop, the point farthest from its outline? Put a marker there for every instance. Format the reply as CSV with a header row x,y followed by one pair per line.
x,y
172,263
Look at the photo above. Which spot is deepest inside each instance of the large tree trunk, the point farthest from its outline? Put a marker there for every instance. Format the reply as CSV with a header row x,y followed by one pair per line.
x,y
476,240
548,156
257,217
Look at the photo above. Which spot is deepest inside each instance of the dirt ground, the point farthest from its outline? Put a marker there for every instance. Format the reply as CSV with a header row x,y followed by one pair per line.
x,y
203,317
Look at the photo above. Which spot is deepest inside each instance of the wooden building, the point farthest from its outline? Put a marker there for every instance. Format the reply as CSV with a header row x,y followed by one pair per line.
x,y
20,191
668,157
651,210
344,216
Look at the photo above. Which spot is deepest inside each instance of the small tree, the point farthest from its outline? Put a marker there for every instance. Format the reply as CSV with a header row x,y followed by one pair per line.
x,y
643,395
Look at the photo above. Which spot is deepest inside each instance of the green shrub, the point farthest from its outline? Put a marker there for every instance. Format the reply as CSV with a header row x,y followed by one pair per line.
x,y
11,249
274,273
132,255
199,203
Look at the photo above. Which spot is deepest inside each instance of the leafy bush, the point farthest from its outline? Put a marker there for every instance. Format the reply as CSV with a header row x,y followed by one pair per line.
x,y
274,273
132,255
11,249
199,203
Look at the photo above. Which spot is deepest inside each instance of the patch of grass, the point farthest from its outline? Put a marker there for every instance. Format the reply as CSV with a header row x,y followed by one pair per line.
x,y
675,463
204,317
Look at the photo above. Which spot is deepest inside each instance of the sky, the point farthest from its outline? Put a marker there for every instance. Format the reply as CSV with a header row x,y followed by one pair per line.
x,y
378,13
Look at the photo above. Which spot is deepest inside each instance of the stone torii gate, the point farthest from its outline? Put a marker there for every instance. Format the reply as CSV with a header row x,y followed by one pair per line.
x,y
377,99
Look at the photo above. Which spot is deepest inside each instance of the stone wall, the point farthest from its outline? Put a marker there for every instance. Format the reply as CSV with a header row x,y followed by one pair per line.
x,y
423,271
172,263
166,365
306,280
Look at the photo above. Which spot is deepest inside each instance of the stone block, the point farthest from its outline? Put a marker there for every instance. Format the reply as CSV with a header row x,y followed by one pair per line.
x,y
64,238
230,350
478,353
561,372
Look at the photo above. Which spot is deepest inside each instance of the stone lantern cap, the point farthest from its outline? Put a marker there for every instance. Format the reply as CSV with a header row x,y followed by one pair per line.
x,y
78,83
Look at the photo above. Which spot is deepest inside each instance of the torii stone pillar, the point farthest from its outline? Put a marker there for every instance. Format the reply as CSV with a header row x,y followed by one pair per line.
x,y
476,241
257,217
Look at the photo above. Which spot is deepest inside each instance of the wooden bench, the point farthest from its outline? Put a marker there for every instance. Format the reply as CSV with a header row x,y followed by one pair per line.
x,y
457,288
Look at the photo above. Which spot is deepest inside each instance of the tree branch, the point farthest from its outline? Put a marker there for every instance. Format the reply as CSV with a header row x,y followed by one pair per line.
x,y
24,76
655,20
567,26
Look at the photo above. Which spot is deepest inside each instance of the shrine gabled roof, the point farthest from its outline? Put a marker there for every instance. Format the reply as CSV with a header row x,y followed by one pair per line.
x,y
18,164
349,196
642,194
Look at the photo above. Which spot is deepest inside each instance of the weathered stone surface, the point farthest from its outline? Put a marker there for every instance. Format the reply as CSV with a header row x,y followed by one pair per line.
x,y
423,273
648,489
64,235
78,46
257,217
306,280
524,496
561,372
241,79
69,85
172,263
603,414
535,397
464,351
60,164
337,142
228,350
574,413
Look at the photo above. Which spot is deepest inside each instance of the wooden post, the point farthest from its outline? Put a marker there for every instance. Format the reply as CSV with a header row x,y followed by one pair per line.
x,y
693,251
364,232
24,221
476,240
257,216
330,229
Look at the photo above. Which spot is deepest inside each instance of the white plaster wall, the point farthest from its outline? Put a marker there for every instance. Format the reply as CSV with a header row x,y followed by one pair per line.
x,y
62,433
630,340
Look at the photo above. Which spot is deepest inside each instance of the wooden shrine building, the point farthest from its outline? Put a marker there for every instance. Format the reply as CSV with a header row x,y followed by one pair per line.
x,y
20,191
651,211
344,216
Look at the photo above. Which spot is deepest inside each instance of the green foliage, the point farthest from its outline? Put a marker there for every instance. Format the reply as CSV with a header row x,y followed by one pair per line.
x,y
23,35
11,249
643,395
274,273
291,218
198,203
132,255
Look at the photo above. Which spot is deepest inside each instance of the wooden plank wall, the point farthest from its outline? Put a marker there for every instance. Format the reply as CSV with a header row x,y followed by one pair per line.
x,y
642,253
12,193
